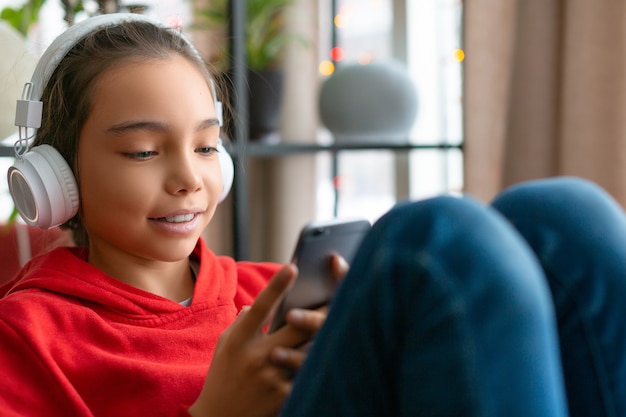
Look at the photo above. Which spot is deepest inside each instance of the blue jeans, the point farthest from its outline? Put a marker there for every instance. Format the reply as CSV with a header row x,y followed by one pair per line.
x,y
448,310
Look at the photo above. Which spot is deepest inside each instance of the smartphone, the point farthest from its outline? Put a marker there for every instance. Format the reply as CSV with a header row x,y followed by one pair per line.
x,y
315,285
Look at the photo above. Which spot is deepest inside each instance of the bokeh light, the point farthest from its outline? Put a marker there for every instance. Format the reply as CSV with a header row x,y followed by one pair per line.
x,y
365,58
459,55
337,53
175,22
340,20
326,68
344,14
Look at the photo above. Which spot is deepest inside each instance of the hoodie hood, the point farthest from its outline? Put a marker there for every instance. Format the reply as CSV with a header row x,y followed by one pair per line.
x,y
66,272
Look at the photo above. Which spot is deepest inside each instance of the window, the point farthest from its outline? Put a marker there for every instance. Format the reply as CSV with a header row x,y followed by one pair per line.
x,y
370,182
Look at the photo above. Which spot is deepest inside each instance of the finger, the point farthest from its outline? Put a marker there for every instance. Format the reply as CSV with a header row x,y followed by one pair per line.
x,y
283,383
257,315
302,326
290,358
235,324
309,321
338,266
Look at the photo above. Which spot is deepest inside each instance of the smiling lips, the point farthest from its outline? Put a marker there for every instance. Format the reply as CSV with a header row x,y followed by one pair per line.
x,y
181,218
180,224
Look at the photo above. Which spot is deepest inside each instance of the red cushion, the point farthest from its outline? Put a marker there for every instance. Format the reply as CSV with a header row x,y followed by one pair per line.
x,y
40,241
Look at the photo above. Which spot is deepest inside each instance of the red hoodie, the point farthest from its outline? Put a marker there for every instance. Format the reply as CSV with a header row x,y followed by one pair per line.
x,y
77,342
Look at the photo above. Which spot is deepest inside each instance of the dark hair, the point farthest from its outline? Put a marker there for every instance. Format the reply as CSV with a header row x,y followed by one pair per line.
x,y
67,95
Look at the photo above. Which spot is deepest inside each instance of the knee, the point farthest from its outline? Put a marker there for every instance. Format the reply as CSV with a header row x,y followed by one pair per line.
x,y
566,205
439,222
553,198
464,251
437,216
459,235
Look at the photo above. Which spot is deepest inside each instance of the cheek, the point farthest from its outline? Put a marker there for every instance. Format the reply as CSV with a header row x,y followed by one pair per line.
x,y
106,189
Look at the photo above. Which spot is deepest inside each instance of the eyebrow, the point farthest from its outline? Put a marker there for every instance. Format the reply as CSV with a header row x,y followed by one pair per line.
x,y
136,125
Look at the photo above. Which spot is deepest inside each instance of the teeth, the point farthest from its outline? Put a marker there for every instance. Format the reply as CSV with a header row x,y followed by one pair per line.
x,y
180,218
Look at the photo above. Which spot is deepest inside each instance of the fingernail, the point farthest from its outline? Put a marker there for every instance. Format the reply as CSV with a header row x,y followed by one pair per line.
x,y
296,315
244,309
280,354
343,263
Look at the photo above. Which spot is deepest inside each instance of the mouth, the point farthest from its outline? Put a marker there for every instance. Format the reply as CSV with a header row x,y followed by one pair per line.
x,y
181,218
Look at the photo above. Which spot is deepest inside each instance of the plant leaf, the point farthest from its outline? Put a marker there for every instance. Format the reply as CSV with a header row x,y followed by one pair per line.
x,y
22,18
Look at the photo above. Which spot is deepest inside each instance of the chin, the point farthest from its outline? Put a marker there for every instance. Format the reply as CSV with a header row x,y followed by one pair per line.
x,y
172,250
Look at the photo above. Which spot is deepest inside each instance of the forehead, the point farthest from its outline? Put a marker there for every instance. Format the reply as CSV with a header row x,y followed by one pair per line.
x,y
171,88
140,63
151,76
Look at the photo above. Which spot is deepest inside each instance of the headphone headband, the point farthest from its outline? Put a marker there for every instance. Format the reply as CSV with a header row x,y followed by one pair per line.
x,y
67,40
29,108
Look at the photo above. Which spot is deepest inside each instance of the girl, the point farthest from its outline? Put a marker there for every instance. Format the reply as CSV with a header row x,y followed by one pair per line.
x,y
450,308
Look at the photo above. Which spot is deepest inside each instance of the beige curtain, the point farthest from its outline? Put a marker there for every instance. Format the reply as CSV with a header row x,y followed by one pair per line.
x,y
545,92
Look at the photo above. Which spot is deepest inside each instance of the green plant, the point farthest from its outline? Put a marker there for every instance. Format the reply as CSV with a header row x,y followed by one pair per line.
x,y
21,18
265,35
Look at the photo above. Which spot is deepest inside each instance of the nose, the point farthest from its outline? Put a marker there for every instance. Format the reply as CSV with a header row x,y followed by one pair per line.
x,y
184,174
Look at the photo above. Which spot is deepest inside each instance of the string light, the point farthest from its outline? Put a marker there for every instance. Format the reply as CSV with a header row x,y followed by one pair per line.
x,y
365,58
337,53
343,15
326,68
459,55
339,20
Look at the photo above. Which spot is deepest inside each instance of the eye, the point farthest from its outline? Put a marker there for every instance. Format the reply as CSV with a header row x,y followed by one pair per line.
x,y
140,155
207,150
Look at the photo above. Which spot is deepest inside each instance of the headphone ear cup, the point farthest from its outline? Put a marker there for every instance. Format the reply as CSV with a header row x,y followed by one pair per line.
x,y
228,170
43,187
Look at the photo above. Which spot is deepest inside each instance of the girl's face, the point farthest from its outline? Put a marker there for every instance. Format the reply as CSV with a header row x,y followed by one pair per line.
x,y
149,175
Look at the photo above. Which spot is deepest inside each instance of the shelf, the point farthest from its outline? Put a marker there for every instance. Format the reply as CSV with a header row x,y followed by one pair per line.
x,y
252,149
6,150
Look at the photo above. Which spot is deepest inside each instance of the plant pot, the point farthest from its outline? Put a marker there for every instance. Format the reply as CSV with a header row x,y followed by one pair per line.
x,y
265,87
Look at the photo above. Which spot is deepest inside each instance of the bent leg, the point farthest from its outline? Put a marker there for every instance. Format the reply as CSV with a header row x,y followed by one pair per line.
x,y
444,312
579,234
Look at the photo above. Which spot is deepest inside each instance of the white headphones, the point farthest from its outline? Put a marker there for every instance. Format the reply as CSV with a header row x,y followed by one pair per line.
x,y
41,182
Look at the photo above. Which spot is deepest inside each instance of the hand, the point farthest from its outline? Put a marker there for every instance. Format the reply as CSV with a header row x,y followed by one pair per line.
x,y
307,322
244,379
251,372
